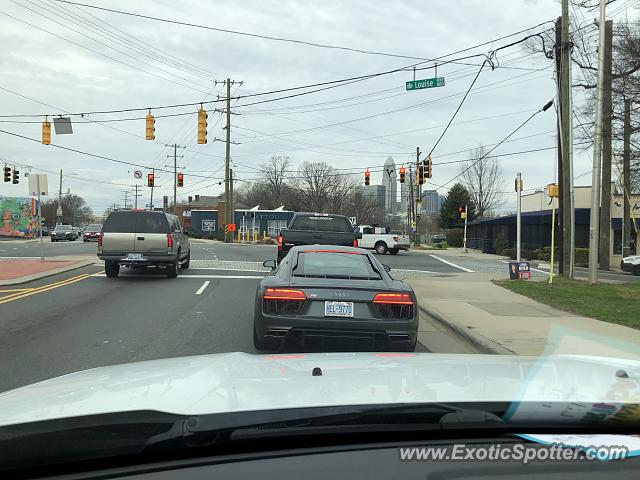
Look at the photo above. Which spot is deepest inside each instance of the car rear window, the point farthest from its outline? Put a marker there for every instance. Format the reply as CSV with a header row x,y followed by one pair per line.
x,y
94,228
334,264
63,228
120,222
322,223
151,222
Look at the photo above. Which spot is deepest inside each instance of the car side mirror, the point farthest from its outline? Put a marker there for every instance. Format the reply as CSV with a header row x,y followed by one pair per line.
x,y
270,263
358,235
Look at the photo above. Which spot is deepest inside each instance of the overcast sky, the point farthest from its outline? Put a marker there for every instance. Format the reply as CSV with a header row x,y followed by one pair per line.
x,y
72,59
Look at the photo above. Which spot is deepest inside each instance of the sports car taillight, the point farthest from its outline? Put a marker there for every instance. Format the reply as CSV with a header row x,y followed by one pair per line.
x,y
393,298
279,242
283,294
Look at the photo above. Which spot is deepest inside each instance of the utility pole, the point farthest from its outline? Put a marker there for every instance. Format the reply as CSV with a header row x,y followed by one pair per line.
x,y
126,195
626,179
519,217
59,209
412,204
594,220
228,215
175,173
416,237
136,195
557,55
566,142
604,251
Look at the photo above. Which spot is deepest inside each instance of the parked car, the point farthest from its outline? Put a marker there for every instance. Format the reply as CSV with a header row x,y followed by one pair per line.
x,y
138,238
631,264
62,232
325,293
316,229
92,232
45,231
376,238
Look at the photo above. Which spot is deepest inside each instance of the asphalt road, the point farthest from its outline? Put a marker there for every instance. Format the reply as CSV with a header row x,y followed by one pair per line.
x,y
81,319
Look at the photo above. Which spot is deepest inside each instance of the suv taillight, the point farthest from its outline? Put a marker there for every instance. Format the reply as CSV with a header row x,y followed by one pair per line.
x,y
279,242
100,239
355,242
169,241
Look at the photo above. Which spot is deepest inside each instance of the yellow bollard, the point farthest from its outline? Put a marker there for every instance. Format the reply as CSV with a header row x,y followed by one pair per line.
x,y
264,235
238,235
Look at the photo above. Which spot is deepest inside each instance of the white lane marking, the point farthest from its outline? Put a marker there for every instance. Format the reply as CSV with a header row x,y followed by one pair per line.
x,y
186,276
201,289
451,264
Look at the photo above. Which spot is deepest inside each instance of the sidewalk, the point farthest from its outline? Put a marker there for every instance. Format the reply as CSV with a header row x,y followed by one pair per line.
x,y
22,270
499,321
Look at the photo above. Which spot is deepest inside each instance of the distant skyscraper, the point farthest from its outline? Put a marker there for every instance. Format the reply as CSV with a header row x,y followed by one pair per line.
x,y
431,201
374,192
389,180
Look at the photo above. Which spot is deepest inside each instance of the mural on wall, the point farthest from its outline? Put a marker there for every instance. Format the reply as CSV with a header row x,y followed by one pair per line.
x,y
19,216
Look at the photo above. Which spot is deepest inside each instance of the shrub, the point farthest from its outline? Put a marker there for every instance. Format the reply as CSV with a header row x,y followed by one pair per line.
x,y
455,237
500,243
544,254
582,257
442,246
509,252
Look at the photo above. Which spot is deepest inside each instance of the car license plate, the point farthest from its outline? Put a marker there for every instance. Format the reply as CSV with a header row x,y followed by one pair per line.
x,y
338,309
134,256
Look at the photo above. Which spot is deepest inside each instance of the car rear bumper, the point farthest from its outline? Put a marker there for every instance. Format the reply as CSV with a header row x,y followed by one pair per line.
x,y
151,259
373,334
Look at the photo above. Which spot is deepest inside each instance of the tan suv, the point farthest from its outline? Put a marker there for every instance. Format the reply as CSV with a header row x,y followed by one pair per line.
x,y
139,238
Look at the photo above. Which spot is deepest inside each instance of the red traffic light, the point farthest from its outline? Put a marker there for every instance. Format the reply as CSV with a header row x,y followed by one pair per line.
x,y
150,179
180,179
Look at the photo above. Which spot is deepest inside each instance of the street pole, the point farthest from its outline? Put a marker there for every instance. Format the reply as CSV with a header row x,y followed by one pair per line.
x,y
519,217
553,230
136,195
604,249
412,179
466,219
227,167
416,239
626,179
175,174
564,254
565,124
594,220
40,220
59,209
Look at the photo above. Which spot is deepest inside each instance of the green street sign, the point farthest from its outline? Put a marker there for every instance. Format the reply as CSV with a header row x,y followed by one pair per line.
x,y
426,83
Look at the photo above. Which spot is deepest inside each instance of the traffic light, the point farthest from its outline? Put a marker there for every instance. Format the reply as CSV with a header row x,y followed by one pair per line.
x,y
16,176
428,167
463,213
7,174
46,132
402,174
367,177
151,127
420,174
202,125
150,179
181,179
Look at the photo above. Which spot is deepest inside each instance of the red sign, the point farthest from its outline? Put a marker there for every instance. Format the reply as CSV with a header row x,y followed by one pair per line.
x,y
231,227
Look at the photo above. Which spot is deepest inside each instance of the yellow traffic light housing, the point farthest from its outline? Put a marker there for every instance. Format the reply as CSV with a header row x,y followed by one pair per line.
x,y
46,132
202,125
151,127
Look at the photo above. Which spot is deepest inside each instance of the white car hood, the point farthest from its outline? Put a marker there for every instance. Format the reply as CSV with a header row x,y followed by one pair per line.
x,y
235,382
631,259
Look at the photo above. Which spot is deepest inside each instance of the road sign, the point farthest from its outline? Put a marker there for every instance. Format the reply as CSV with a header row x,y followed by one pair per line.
x,y
230,227
426,83
38,180
208,225
137,174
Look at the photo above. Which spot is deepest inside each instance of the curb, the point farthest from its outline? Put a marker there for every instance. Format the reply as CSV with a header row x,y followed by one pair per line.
x,y
477,340
49,273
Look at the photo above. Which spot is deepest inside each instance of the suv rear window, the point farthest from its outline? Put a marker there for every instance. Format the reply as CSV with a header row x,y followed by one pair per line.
x,y
120,222
152,222
322,223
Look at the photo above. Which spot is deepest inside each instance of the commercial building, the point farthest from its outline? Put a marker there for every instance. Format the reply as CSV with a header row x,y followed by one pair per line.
x,y
536,224
389,181
431,201
249,222
374,193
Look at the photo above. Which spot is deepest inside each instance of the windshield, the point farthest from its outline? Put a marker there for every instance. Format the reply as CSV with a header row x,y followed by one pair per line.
x,y
227,207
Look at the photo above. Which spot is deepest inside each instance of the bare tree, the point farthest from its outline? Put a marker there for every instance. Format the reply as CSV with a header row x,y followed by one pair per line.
x,y
274,172
483,179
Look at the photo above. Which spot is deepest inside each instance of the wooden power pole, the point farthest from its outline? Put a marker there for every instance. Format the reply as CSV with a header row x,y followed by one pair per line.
x,y
604,248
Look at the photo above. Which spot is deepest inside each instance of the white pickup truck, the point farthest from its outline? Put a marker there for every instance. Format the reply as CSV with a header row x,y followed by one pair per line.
x,y
375,238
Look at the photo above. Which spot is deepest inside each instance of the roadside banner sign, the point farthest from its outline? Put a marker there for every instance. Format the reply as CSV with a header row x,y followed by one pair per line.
x,y
519,271
208,225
